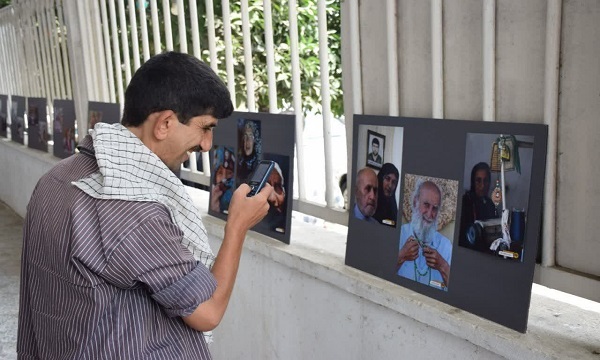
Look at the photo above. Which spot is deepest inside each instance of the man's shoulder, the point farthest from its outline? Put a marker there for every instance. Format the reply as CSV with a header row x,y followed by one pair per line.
x,y
443,242
125,210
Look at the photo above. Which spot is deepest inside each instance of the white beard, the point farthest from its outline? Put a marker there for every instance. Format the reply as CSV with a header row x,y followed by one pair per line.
x,y
422,230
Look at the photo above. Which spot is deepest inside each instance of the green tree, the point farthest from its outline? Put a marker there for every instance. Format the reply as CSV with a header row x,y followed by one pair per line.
x,y
4,3
308,51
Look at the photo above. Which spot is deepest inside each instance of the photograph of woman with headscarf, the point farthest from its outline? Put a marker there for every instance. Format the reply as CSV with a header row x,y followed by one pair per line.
x,y
249,148
387,205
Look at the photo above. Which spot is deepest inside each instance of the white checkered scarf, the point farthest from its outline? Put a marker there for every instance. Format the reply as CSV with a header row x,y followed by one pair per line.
x,y
129,171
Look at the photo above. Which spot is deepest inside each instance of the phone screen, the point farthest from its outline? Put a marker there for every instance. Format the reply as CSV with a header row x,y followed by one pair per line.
x,y
259,173
259,176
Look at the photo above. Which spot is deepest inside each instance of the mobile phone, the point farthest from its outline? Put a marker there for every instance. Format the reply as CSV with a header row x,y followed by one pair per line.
x,y
259,176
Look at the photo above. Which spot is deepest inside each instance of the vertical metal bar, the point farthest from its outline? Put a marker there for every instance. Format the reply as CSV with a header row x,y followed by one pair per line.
x,y
210,24
30,37
195,29
437,58
25,42
124,41
325,102
20,79
168,30
135,47
297,98
57,55
45,39
63,46
82,18
155,28
198,53
5,69
181,26
51,55
115,50
355,56
39,26
270,56
489,60
52,49
228,50
107,52
100,49
250,101
392,57
91,56
144,29
551,94
33,74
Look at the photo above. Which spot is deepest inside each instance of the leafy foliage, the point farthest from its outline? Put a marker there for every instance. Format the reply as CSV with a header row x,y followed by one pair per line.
x,y
308,51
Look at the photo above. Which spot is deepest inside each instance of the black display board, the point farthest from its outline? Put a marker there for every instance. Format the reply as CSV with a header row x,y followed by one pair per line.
x,y
64,128
109,113
3,115
37,124
17,119
424,247
239,143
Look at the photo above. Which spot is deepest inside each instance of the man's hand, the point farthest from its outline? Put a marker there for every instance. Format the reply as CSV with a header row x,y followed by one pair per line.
x,y
410,251
436,261
244,213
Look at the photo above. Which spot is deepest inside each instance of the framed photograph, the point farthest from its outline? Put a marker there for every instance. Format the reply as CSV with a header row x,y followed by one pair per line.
x,y
375,149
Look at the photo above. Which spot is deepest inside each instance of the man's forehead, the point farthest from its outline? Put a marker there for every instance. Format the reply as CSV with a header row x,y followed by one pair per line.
x,y
206,120
430,195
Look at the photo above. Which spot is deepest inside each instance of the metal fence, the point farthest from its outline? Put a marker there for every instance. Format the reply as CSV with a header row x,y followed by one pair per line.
x,y
88,51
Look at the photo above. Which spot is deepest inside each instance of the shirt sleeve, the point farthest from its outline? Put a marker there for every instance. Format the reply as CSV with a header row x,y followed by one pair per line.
x,y
151,255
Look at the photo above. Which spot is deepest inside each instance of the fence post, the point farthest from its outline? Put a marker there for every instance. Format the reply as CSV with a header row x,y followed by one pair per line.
x,y
77,64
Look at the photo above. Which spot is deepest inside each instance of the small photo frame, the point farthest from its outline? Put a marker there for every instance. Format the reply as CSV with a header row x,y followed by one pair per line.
x,y
375,149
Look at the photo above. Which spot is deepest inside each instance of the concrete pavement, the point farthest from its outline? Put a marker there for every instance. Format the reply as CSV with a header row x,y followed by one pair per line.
x,y
11,226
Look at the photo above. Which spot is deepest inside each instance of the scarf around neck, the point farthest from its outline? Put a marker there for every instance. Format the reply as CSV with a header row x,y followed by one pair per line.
x,y
128,170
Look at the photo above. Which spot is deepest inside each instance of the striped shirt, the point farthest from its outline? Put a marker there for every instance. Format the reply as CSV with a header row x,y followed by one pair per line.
x,y
105,279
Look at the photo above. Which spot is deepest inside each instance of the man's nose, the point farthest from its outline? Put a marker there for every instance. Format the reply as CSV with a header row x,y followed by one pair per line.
x,y
430,214
206,141
373,193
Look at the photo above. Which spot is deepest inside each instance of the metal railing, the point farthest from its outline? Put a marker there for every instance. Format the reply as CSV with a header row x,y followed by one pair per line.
x,y
109,39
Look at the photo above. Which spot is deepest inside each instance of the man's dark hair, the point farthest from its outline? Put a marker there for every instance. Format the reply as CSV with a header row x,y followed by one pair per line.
x,y
476,168
178,82
375,141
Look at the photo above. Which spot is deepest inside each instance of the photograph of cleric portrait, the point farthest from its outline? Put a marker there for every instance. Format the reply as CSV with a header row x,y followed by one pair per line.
x,y
428,217
3,115
17,119
37,124
63,128
109,113
376,190
239,143
495,197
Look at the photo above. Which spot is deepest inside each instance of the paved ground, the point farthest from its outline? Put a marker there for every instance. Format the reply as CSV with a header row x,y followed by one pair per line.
x,y
10,258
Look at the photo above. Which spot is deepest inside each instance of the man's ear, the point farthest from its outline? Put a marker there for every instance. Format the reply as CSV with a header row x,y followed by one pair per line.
x,y
164,123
